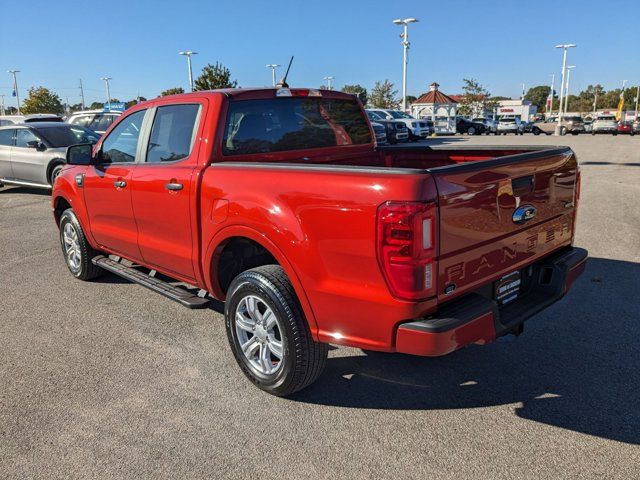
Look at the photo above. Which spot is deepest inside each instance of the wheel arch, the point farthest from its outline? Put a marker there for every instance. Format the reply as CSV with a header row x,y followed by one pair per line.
x,y
54,162
241,233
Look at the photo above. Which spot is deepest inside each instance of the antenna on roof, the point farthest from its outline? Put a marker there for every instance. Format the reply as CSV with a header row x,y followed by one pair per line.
x,y
283,82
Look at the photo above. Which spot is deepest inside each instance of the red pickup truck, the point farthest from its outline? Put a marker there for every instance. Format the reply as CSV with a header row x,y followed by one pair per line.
x,y
278,202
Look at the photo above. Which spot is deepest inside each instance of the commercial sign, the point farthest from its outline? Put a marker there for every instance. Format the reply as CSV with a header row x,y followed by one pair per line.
x,y
115,107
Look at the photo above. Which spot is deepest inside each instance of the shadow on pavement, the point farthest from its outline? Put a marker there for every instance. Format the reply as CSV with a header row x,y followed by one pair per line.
x,y
625,164
577,366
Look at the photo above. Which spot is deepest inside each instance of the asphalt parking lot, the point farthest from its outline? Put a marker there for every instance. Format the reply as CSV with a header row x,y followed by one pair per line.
x,y
109,380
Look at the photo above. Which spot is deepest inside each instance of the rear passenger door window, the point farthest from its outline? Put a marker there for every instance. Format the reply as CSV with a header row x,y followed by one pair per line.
x,y
6,137
172,133
122,143
24,136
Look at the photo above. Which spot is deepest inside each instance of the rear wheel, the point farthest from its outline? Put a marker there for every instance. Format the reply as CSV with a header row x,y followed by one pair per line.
x,y
75,248
471,131
268,332
563,131
536,131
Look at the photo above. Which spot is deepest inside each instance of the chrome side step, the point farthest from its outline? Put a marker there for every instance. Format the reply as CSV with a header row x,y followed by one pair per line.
x,y
22,183
131,273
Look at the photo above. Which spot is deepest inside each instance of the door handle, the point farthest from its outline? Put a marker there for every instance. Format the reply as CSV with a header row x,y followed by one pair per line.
x,y
120,184
174,186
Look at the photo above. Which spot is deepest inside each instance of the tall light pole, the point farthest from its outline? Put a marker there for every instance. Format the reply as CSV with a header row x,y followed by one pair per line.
x,y
405,46
273,67
2,104
82,94
106,83
188,54
328,79
566,92
637,95
550,110
564,48
15,87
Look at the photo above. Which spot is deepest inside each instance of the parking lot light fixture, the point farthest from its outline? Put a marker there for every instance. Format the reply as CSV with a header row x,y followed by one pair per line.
x,y
566,92
15,87
329,79
273,67
405,46
564,48
106,83
188,54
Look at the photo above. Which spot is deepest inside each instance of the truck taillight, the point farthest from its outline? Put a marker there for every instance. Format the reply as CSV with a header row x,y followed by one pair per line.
x,y
406,241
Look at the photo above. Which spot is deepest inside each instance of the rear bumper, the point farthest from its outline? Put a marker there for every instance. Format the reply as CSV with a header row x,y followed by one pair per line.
x,y
478,319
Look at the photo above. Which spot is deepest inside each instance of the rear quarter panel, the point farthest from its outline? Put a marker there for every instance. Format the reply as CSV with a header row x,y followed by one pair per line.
x,y
322,220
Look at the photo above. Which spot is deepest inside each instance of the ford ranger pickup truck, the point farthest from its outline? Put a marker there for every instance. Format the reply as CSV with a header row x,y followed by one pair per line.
x,y
278,202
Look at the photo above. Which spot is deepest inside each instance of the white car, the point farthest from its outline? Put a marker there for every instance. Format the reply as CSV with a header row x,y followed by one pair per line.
x,y
417,128
510,125
35,117
97,120
604,124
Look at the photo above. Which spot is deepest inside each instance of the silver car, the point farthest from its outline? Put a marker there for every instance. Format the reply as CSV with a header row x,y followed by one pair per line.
x,y
34,154
97,120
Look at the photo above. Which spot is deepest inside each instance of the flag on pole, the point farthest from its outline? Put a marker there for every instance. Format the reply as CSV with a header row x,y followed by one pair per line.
x,y
620,106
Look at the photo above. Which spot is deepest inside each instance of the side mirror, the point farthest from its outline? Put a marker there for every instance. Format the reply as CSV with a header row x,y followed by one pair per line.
x,y
80,154
38,145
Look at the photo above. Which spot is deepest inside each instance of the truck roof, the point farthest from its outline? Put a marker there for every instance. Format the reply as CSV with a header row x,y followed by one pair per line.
x,y
260,93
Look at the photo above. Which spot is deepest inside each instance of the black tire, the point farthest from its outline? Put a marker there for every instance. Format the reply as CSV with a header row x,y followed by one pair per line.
x,y
55,171
593,133
615,134
85,269
536,131
563,131
303,359
574,133
471,131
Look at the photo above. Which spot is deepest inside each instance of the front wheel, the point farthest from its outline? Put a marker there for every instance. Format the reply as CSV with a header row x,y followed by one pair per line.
x,y
268,332
471,131
75,248
55,172
536,131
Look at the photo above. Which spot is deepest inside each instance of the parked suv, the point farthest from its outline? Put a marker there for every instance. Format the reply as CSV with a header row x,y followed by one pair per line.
x,y
380,133
417,128
33,154
97,120
605,124
510,125
490,125
396,130
573,125
35,117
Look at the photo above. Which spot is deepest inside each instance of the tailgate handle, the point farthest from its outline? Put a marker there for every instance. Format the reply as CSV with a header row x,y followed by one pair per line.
x,y
522,185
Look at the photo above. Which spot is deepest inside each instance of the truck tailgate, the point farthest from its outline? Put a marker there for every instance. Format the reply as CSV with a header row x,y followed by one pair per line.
x,y
499,215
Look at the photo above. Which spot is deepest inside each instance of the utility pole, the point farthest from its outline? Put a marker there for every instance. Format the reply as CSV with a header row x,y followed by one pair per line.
x,y
405,46
2,104
273,67
328,79
82,95
15,87
106,82
595,102
523,94
564,48
188,54
637,95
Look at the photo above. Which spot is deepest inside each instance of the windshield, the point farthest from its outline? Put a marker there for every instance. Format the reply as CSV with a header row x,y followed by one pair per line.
x,y
374,116
507,120
65,135
573,119
399,114
608,118
277,125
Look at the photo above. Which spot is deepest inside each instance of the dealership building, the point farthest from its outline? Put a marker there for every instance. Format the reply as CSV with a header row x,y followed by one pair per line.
x,y
522,109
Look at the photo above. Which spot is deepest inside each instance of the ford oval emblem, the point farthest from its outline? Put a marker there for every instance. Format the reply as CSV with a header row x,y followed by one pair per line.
x,y
524,213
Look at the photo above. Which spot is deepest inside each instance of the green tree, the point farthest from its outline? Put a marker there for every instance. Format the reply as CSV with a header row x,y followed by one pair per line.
x,y
357,90
538,96
172,91
213,77
411,99
96,106
383,95
475,99
42,100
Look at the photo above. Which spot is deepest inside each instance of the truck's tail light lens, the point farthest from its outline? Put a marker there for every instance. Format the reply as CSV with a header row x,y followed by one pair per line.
x,y
406,240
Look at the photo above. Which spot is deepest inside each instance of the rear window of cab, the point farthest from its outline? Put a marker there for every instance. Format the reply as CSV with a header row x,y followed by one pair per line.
x,y
285,124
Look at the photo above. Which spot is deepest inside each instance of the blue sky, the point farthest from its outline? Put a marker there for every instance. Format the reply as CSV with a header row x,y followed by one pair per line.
x,y
500,43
